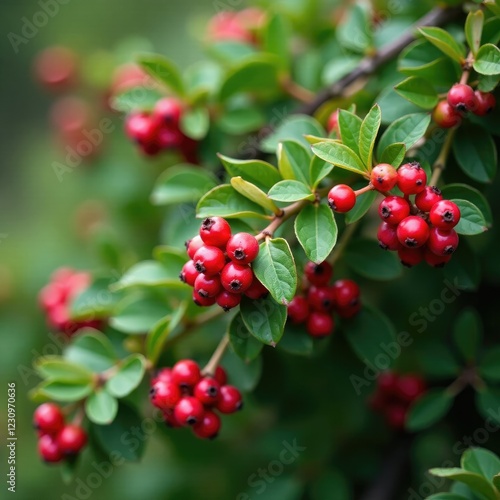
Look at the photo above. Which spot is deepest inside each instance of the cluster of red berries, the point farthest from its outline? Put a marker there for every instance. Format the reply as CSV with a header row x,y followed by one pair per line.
x,y
55,298
394,395
160,130
219,269
315,308
461,99
237,26
189,398
56,439
419,231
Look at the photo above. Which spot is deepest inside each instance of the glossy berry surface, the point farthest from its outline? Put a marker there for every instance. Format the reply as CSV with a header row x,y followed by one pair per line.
x,y
165,394
442,242
426,199
48,418
242,248
209,260
485,103
388,237
49,449
341,198
298,309
203,301
445,115
333,122
321,299
228,300
167,111
383,177
215,231
186,372
461,97
207,285
393,209
413,232
320,324
236,278
193,245
189,410
318,274
71,439
346,293
207,390
230,399
189,273
208,427
434,260
444,214
411,178
410,257
256,290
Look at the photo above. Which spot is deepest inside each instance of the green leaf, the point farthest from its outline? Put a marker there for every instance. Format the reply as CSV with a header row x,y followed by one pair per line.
x,y
368,333
225,201
493,6
292,128
466,192
418,91
57,368
488,83
96,301
138,312
182,184
101,408
368,135
481,461
243,343
63,391
136,99
330,481
150,273
318,170
258,172
296,340
128,376
487,61
444,42
360,259
489,365
464,270
118,437
339,155
474,481
428,409
256,74
276,39
488,403
293,161
363,203
407,129
496,481
195,123
160,332
474,29
93,350
446,496
288,191
475,153
275,269
393,154
437,360
264,318
316,230
241,121
467,333
472,221
243,375
350,129
355,33
253,193
230,52
164,71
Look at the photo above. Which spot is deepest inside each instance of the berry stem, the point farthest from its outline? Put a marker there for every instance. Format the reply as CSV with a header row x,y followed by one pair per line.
x,y
440,163
467,66
216,356
364,190
468,377
286,213
343,242
297,91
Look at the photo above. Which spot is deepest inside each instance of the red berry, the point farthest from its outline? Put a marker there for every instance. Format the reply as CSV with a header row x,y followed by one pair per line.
x,y
215,231
320,324
230,399
318,274
333,122
193,245
346,293
393,209
189,411
208,285
349,311
71,439
383,177
435,260
410,387
298,309
48,418
167,138
410,257
444,214
167,111
321,298
220,375
341,198
55,67
186,373
388,237
445,116
164,375
170,419
256,290
413,232
236,278
485,103
411,178
139,127
228,300
387,382
208,427
461,97
202,301
209,260
427,198
242,248
442,242
49,449
165,394
189,273
207,391
396,415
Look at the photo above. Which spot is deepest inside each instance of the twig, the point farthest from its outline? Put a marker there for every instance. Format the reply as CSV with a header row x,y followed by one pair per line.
x,y
287,212
297,91
216,356
440,163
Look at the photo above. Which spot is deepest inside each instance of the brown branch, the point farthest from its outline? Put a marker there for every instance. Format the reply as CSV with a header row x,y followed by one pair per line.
x,y
287,212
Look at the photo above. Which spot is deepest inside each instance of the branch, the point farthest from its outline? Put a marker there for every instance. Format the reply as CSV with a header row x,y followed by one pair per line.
x,y
440,163
216,356
286,213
